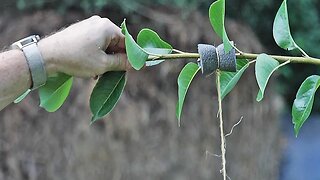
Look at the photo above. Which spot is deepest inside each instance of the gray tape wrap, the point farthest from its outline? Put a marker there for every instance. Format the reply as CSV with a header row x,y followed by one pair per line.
x,y
228,60
212,58
208,58
36,65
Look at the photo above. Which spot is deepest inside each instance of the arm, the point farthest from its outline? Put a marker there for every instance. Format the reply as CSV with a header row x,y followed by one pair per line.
x,y
79,50
14,76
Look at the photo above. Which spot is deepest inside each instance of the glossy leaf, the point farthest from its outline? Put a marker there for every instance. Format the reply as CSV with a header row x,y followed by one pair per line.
x,y
55,92
217,17
264,68
24,95
106,93
303,103
154,63
229,79
184,80
281,29
136,55
151,42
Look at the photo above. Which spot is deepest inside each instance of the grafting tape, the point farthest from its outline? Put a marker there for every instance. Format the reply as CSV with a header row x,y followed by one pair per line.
x,y
228,60
208,58
212,58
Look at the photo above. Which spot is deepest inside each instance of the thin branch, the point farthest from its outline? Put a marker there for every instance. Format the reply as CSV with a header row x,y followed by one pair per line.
x,y
250,56
222,136
211,154
228,177
174,56
235,125
292,59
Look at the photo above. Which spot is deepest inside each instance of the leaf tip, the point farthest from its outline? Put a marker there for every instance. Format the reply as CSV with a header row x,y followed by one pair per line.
x,y
137,67
259,96
296,130
49,109
123,26
93,120
179,119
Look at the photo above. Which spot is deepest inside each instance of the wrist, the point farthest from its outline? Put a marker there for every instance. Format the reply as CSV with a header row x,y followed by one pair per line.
x,y
46,48
33,58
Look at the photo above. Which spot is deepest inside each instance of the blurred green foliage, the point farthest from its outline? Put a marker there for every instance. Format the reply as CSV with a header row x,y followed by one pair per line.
x,y
304,18
304,23
90,6
259,14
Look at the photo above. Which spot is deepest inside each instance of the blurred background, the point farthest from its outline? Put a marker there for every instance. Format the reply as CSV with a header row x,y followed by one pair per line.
x,y
140,139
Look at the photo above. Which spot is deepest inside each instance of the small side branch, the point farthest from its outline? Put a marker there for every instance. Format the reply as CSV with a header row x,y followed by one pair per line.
x,y
211,154
235,125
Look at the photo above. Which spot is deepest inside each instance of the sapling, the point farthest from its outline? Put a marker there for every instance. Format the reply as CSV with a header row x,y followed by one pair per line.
x,y
226,61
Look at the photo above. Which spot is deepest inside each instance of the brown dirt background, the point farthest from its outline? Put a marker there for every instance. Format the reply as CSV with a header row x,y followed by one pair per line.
x,y
140,139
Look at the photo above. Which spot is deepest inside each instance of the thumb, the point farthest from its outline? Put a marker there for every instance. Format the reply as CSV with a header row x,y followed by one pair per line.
x,y
117,62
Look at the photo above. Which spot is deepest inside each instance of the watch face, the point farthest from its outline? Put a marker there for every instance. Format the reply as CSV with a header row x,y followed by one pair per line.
x,y
26,41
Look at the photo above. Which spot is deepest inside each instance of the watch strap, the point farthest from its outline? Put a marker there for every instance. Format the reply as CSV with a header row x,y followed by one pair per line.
x,y
36,65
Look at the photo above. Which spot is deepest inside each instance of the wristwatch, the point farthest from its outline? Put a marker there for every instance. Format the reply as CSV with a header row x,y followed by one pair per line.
x,y
34,59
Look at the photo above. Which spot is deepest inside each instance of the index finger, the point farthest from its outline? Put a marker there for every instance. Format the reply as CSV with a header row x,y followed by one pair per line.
x,y
117,43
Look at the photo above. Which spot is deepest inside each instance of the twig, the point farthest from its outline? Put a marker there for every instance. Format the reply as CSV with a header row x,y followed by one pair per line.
x,y
228,177
242,55
222,136
211,154
235,125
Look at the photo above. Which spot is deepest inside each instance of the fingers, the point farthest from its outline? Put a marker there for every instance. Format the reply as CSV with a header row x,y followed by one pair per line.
x,y
117,45
116,62
115,41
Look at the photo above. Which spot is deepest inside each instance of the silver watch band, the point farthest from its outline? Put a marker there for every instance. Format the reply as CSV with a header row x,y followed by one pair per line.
x,y
36,65
34,59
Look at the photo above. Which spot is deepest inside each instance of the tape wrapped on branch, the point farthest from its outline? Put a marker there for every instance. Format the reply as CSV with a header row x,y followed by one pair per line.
x,y
212,58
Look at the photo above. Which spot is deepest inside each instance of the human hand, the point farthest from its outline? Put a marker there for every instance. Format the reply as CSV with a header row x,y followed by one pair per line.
x,y
80,49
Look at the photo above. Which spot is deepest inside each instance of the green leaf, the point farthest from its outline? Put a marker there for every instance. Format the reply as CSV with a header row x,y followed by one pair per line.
x,y
184,80
281,29
136,55
303,103
264,68
106,93
229,79
55,91
217,16
153,63
20,98
151,42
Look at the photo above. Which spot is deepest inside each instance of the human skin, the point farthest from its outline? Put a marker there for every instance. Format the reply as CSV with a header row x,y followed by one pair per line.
x,y
86,49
